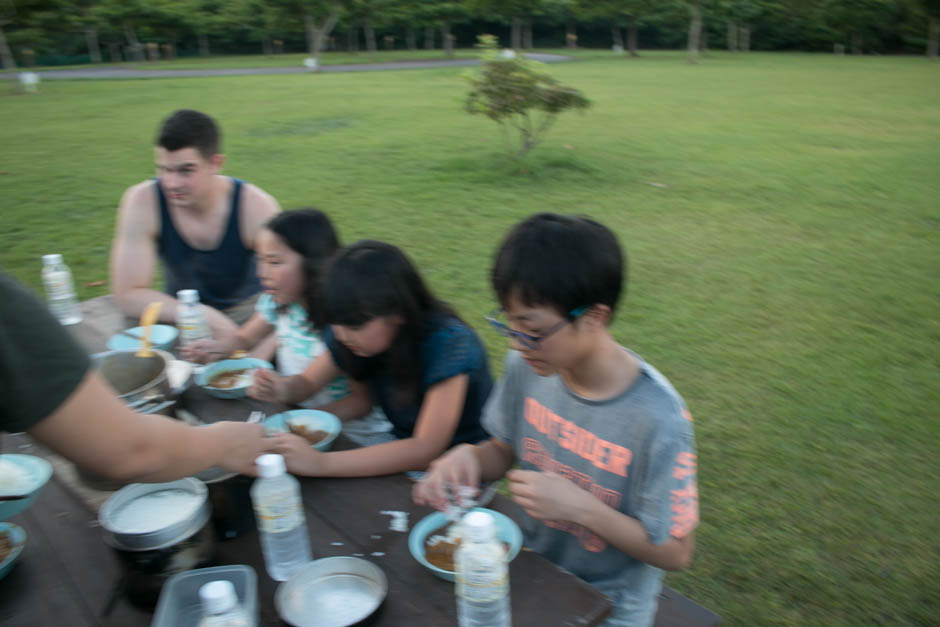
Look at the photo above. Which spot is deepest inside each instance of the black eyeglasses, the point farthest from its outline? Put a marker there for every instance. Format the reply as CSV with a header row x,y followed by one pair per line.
x,y
530,341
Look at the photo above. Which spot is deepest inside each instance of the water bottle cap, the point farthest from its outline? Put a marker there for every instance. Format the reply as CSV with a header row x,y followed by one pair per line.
x,y
270,465
478,526
188,296
51,260
218,596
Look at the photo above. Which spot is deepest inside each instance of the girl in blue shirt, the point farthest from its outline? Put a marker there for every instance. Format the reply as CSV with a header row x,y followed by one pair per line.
x,y
403,350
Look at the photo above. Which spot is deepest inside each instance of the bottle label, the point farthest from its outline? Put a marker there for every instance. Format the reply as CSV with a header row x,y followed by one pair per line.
x,y
280,516
58,285
481,578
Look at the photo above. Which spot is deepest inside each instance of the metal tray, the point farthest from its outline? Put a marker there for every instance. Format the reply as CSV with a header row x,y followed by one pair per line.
x,y
331,592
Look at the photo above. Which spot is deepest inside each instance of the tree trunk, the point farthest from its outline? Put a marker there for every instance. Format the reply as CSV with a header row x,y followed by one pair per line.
x,y
133,43
516,37
429,38
9,63
91,39
933,38
203,45
448,39
616,36
114,51
352,40
410,39
266,47
744,39
527,33
369,33
632,36
732,35
695,30
856,42
317,35
703,39
571,34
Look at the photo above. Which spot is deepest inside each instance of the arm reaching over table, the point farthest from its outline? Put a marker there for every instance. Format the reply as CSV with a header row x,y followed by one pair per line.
x,y
94,429
49,390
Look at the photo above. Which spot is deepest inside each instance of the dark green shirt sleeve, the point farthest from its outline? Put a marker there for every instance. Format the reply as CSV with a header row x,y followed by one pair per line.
x,y
40,363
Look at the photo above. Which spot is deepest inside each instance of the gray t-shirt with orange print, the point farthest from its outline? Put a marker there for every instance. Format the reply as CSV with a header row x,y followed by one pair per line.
x,y
635,452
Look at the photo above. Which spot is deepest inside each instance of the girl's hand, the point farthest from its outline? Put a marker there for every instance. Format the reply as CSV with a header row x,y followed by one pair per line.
x,y
299,456
268,386
203,351
457,467
548,496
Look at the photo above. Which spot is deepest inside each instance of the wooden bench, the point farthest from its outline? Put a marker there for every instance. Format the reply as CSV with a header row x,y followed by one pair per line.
x,y
676,610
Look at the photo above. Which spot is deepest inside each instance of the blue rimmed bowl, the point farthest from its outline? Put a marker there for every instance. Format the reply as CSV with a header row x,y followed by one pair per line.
x,y
162,337
204,378
36,472
17,539
311,419
506,530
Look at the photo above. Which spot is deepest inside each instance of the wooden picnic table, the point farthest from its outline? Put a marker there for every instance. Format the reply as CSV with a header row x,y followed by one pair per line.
x,y
67,575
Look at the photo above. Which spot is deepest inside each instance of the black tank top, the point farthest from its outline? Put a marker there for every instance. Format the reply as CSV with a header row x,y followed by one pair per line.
x,y
224,276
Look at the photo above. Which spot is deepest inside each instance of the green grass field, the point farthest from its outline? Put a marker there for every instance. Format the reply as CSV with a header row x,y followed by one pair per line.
x,y
782,220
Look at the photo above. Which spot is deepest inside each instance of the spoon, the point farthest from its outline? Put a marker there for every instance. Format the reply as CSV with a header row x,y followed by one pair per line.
x,y
146,321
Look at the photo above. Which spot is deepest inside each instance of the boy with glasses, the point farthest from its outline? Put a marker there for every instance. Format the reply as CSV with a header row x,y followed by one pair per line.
x,y
604,445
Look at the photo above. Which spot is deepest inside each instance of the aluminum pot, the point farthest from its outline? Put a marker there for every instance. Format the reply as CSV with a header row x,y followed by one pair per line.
x,y
141,382
158,530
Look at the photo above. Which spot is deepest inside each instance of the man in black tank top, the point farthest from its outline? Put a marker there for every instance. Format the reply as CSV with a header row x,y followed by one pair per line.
x,y
200,224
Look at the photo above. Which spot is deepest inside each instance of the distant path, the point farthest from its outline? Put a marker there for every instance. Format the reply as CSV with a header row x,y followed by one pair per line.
x,y
116,73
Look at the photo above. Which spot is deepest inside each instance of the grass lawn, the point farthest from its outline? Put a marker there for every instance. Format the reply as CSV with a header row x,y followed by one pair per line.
x,y
782,220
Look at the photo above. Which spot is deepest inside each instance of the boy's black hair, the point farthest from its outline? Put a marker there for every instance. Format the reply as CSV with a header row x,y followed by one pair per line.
x,y
309,233
565,262
186,128
369,279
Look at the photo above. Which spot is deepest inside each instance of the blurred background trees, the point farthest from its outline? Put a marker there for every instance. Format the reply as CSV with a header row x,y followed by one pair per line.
x,y
53,32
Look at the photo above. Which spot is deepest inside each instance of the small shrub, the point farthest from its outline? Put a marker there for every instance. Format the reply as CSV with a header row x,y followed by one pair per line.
x,y
519,95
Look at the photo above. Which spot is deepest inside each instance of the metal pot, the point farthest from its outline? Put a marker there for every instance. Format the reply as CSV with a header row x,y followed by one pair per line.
x,y
158,530
141,382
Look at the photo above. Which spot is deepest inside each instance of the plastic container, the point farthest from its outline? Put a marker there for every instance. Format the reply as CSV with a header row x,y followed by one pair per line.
x,y
482,575
190,317
180,605
282,527
60,290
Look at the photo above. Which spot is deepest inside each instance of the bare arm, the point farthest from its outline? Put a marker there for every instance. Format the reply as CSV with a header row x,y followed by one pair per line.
x,y
435,428
548,496
354,405
630,536
94,429
134,254
258,207
270,386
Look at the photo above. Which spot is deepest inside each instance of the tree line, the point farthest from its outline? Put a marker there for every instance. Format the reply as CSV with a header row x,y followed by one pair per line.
x,y
136,30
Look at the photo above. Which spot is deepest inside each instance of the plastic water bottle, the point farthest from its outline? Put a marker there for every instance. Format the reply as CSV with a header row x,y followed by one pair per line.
x,y
190,317
60,290
482,575
280,513
220,606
